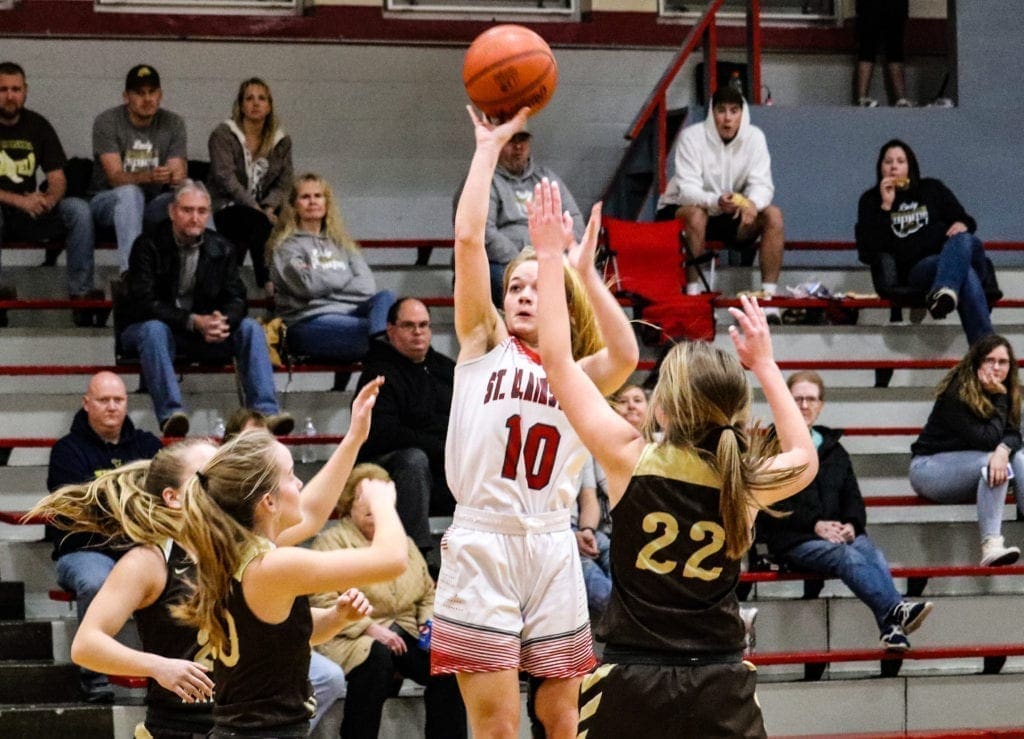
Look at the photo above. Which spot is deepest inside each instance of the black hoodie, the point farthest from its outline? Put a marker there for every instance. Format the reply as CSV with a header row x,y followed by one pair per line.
x,y
79,457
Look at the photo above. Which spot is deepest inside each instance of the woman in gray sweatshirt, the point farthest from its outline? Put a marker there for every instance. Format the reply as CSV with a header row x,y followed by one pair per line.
x,y
324,290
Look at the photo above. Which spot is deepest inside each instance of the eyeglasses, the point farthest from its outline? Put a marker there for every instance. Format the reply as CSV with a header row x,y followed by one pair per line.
x,y
805,400
412,325
995,362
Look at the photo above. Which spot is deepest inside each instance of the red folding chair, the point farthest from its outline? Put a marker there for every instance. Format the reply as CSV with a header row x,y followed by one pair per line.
x,y
646,263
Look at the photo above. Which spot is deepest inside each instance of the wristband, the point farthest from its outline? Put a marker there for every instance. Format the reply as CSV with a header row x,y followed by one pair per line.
x,y
1006,447
588,528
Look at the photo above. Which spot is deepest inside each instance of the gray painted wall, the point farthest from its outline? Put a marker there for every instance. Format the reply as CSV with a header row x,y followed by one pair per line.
x,y
386,124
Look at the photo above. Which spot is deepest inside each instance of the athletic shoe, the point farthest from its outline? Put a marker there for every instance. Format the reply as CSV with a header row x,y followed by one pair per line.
x,y
280,424
995,554
866,102
748,614
175,425
909,615
903,103
893,639
941,302
773,315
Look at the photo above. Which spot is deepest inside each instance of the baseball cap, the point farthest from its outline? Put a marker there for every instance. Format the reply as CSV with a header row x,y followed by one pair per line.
x,y
141,75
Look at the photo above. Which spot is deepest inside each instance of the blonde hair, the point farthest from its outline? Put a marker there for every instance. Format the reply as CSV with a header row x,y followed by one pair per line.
x,y
218,523
270,123
584,330
364,471
333,224
704,399
126,504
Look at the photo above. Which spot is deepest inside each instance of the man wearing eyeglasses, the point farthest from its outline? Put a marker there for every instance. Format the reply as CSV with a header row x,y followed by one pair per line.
x,y
410,417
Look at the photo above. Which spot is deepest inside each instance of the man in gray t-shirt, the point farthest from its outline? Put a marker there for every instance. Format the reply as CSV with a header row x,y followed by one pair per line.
x,y
140,156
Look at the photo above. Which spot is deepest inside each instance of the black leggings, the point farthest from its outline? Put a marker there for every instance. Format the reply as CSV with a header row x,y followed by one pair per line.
x,y
374,681
248,229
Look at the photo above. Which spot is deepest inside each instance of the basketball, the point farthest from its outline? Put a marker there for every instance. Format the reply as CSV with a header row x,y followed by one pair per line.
x,y
507,67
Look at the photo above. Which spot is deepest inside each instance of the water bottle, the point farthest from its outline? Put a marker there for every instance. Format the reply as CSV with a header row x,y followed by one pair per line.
x,y
308,454
736,82
218,428
424,641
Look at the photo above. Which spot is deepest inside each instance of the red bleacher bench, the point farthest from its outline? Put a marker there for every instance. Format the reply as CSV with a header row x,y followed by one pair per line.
x,y
993,733
870,655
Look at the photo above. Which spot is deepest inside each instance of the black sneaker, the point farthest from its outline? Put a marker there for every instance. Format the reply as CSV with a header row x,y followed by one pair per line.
x,y
909,615
893,639
941,303
95,692
175,425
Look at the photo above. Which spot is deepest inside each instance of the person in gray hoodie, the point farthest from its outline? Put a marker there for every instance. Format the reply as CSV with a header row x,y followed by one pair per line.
x,y
324,290
722,188
250,173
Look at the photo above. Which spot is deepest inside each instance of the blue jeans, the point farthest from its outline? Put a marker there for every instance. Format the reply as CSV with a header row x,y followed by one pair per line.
x,y
958,266
955,477
125,208
328,682
342,337
84,572
156,344
860,565
597,576
79,237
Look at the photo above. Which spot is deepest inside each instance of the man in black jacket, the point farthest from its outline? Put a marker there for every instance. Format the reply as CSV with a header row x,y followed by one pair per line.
x,y
410,417
102,437
824,529
186,296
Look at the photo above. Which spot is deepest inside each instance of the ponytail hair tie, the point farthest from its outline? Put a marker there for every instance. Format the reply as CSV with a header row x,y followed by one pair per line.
x,y
203,480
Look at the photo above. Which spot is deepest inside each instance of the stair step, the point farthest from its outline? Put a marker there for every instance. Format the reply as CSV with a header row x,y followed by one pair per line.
x,y
38,682
26,640
79,720
12,601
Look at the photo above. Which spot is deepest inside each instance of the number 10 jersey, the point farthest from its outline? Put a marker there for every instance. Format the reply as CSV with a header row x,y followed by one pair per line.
x,y
510,447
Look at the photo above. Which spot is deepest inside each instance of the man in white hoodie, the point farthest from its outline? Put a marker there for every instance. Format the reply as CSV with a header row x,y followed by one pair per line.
x,y
722,188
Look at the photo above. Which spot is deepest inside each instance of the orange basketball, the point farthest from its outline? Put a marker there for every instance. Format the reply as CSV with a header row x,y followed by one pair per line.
x,y
507,67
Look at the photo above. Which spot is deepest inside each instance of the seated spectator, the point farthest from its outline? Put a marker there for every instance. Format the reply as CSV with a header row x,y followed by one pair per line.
x,y
822,528
241,420
102,437
28,145
511,189
393,642
250,174
324,290
722,188
921,226
594,524
186,296
141,153
410,425
970,448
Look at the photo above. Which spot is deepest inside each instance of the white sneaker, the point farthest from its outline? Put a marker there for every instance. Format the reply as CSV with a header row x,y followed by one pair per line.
x,y
867,102
748,614
995,554
903,103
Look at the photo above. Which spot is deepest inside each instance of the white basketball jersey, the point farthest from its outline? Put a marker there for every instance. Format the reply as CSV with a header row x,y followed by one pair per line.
x,y
510,447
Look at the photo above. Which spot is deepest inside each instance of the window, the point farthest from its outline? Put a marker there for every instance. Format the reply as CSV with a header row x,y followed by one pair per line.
x,y
205,7
784,11
561,9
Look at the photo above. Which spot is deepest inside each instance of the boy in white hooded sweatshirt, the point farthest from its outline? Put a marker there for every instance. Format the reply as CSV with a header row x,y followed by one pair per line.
x,y
722,188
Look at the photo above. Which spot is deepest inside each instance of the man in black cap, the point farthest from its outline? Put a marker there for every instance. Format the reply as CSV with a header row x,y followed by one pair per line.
x,y
140,153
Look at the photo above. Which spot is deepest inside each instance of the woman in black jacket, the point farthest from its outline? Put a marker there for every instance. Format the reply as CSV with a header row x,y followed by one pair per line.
x,y
823,530
970,447
929,236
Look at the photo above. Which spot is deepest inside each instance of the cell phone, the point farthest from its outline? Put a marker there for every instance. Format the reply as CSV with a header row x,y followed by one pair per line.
x,y
984,473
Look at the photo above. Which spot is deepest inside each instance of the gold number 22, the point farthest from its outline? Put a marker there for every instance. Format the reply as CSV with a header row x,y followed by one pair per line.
x,y
700,531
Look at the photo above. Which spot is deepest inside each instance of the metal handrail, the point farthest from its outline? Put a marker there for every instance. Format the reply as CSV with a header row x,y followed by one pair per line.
x,y
704,33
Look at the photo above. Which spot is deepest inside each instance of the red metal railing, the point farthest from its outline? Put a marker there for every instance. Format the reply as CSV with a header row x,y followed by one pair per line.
x,y
705,34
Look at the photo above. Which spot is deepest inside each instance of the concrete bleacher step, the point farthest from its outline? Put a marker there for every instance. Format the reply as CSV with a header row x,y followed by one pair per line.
x,y
79,720
25,640
892,705
38,682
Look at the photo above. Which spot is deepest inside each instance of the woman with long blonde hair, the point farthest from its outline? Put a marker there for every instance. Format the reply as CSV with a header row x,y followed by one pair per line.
x,y
510,595
250,173
243,514
682,507
324,289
